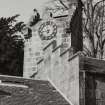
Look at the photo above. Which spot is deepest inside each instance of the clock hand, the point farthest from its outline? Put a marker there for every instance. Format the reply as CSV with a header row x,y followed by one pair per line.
x,y
46,31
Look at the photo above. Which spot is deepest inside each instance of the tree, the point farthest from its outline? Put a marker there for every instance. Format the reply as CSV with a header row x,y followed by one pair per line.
x,y
76,28
11,46
94,27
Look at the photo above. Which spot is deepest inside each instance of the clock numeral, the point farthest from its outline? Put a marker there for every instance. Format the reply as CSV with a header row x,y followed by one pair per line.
x,y
48,23
54,26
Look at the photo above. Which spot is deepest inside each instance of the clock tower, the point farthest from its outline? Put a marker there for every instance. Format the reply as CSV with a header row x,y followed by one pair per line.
x,y
52,26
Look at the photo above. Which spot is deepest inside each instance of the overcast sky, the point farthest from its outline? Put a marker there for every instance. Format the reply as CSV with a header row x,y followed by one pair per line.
x,y
22,7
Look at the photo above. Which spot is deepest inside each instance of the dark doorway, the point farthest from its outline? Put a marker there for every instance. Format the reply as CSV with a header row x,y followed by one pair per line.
x,y
94,89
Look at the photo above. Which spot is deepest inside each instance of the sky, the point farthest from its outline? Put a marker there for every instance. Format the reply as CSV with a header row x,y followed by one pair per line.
x,y
22,7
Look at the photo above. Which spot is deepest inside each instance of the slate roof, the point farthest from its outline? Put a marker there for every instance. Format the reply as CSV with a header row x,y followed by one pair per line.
x,y
20,91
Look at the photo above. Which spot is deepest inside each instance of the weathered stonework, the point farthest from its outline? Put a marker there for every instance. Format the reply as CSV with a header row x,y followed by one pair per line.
x,y
35,45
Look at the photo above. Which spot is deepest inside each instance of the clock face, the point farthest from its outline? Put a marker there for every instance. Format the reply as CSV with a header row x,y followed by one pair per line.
x,y
47,30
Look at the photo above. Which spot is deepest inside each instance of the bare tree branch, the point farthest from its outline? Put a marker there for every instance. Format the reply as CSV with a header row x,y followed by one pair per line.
x,y
96,5
103,43
63,4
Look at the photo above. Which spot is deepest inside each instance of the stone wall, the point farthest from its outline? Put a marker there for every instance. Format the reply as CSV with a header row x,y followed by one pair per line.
x,y
69,74
34,46
64,74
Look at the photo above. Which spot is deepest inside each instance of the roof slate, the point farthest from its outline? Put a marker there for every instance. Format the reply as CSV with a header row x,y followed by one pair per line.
x,y
29,92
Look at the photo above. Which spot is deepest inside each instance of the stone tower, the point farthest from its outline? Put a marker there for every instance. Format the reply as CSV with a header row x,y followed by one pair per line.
x,y
55,21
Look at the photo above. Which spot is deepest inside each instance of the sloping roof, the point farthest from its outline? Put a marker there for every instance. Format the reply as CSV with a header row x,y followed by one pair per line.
x,y
29,92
